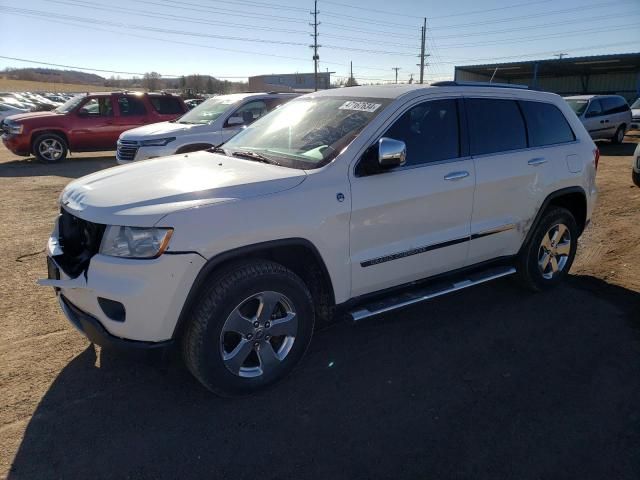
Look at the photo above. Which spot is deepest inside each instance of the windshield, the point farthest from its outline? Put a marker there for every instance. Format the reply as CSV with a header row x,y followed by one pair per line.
x,y
636,104
208,111
577,105
308,132
69,104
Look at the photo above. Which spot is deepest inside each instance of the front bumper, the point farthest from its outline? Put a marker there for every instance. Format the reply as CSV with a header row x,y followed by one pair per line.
x,y
17,144
152,293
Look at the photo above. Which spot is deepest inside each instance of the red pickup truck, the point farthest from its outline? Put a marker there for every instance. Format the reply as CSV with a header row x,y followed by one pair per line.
x,y
86,123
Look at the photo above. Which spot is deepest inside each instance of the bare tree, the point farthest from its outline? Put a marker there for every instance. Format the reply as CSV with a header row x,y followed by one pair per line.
x,y
151,81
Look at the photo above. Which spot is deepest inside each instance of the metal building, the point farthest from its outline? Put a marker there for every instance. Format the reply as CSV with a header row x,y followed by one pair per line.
x,y
618,73
289,82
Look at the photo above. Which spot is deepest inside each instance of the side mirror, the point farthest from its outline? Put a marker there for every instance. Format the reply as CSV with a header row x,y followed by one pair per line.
x,y
391,153
235,121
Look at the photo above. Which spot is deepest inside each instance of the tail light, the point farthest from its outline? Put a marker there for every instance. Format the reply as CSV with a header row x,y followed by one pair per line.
x,y
596,157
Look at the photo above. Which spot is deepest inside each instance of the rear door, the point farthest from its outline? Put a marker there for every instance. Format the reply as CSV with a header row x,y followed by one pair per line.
x,y
412,222
132,112
166,107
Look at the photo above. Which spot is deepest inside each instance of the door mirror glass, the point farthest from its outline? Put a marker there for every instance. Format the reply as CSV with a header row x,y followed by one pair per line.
x,y
391,153
235,121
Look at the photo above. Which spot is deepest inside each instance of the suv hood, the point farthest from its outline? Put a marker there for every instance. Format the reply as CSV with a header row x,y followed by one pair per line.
x,y
141,193
31,115
161,130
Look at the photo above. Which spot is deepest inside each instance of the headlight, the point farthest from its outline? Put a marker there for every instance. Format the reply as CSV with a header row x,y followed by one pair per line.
x,y
15,128
158,142
135,242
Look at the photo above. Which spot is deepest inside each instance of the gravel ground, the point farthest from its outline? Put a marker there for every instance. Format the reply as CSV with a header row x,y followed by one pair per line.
x,y
491,382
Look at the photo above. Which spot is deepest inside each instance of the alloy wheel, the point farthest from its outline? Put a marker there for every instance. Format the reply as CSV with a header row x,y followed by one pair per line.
x,y
258,334
50,149
554,250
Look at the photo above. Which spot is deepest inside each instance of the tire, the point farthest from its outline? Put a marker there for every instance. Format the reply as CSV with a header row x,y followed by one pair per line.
x,y
618,137
636,177
230,364
50,148
557,252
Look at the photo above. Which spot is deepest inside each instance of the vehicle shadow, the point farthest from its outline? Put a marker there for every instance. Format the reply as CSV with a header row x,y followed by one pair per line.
x,y
491,382
624,149
74,167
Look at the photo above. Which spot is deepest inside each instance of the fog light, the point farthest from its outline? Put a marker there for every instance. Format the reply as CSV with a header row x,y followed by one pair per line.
x,y
112,309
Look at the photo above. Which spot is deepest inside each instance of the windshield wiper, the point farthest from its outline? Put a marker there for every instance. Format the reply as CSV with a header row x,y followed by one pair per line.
x,y
254,156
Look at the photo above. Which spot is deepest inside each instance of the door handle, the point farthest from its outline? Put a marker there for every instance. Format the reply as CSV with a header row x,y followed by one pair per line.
x,y
604,121
456,176
537,161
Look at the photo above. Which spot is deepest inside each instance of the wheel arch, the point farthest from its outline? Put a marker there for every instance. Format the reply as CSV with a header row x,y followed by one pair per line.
x,y
37,133
573,199
298,254
193,147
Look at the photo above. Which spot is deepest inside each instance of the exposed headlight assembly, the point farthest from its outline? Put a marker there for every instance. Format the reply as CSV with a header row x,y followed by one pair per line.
x,y
158,142
135,242
14,128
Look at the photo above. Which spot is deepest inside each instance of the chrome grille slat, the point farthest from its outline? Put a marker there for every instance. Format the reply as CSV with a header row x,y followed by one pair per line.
x,y
127,150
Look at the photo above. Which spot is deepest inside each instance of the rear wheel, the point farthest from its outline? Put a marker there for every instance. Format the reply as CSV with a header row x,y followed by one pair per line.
x,y
249,328
546,259
50,148
619,135
636,177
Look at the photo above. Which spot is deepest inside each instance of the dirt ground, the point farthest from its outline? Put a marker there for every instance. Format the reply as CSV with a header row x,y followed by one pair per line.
x,y
491,382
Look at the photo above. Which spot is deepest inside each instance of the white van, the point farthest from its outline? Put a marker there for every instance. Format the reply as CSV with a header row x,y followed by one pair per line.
x,y
210,124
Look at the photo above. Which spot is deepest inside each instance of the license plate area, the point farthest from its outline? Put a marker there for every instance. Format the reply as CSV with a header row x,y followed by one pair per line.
x,y
53,271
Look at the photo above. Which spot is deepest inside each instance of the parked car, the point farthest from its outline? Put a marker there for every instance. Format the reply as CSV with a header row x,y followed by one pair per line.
x,y
12,101
635,115
211,123
193,102
7,110
635,166
86,123
363,199
604,116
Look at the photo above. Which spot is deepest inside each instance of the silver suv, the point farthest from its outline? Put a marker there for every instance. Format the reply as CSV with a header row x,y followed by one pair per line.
x,y
604,116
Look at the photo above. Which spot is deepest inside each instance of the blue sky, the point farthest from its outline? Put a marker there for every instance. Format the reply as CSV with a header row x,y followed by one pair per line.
x,y
238,38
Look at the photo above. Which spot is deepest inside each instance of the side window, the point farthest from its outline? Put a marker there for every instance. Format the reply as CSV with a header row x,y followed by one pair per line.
x,y
430,131
97,107
595,109
130,106
546,125
614,105
248,112
166,105
495,125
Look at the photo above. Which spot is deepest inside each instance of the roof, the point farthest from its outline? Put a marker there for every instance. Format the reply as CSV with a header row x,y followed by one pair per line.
x,y
372,91
620,62
589,97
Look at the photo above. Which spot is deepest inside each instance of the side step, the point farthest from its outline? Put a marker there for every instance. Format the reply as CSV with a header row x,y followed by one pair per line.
x,y
421,293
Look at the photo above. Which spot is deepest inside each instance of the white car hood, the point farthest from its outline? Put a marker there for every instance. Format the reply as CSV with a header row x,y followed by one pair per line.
x,y
162,130
141,193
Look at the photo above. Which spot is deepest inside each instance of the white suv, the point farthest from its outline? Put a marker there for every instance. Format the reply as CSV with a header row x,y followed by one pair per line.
x,y
211,123
339,199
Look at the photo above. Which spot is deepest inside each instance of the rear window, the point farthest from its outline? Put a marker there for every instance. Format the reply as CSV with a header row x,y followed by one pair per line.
x,y
614,105
546,125
496,125
166,105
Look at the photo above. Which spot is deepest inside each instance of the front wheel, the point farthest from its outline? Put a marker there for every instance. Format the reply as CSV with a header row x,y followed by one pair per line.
x,y
547,257
50,148
635,176
249,328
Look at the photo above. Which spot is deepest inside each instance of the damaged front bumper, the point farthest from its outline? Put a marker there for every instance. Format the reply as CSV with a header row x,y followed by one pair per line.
x,y
148,295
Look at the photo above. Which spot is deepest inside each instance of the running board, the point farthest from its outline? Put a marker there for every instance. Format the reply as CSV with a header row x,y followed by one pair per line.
x,y
422,293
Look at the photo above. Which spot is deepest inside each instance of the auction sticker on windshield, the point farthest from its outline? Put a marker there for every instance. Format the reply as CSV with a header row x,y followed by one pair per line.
x,y
360,106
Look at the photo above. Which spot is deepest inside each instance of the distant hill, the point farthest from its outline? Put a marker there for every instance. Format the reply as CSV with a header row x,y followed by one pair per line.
x,y
54,76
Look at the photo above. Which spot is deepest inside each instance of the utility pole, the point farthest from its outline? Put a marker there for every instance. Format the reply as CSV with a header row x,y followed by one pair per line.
x,y
560,55
422,49
410,78
396,69
315,43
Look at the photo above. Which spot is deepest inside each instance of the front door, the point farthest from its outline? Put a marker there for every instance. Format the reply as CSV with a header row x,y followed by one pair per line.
x,y
596,123
413,221
94,126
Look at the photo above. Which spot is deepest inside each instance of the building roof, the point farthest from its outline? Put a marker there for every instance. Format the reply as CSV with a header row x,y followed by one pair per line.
x,y
620,62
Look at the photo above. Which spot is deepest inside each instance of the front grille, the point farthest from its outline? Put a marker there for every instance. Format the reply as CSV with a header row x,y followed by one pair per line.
x,y
127,150
80,240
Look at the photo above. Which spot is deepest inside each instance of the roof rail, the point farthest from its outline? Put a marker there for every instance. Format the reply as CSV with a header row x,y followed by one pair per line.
x,y
454,83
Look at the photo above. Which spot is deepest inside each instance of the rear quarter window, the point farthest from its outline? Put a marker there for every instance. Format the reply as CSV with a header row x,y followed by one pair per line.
x,y
614,105
166,105
496,125
546,124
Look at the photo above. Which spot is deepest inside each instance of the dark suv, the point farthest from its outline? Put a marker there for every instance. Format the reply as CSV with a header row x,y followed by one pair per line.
x,y
86,123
